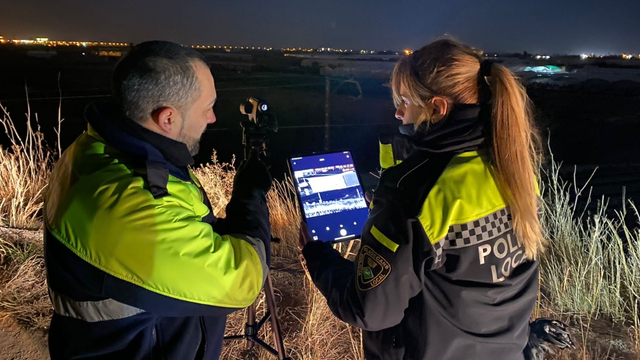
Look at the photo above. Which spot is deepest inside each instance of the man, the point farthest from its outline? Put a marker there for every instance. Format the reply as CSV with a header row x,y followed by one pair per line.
x,y
137,265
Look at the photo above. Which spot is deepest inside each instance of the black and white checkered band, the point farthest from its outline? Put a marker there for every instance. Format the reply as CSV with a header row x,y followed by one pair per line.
x,y
437,248
477,231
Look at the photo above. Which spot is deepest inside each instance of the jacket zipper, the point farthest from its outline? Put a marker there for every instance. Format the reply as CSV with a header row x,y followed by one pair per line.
x,y
202,348
154,343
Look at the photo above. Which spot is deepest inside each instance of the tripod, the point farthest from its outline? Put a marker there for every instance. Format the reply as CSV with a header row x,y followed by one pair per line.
x,y
251,328
254,133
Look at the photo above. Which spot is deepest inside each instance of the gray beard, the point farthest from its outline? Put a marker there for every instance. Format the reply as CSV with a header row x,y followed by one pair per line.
x,y
193,144
194,147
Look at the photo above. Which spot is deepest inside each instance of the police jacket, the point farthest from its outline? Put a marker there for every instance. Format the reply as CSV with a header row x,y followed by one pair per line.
x,y
440,273
137,265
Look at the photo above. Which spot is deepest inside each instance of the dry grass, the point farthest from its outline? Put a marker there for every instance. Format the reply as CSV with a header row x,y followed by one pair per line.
x,y
592,267
24,171
590,276
284,213
327,337
217,180
23,288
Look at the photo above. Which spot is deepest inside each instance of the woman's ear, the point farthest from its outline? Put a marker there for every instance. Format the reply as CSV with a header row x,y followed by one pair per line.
x,y
439,108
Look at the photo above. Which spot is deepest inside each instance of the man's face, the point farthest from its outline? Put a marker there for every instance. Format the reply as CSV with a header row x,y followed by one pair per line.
x,y
196,118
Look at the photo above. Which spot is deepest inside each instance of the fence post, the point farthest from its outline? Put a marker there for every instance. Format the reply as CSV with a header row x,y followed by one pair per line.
x,y
327,97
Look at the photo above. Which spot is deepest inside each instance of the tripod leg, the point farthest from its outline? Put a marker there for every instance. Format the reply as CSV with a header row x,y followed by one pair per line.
x,y
251,320
275,326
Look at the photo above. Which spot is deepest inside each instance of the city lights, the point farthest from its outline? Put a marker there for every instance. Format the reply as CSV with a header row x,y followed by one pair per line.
x,y
110,53
45,41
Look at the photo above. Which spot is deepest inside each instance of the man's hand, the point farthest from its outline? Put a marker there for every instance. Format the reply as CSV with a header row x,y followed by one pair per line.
x,y
253,173
305,237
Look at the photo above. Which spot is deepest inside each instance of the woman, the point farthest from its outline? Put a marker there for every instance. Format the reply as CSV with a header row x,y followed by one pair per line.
x,y
447,267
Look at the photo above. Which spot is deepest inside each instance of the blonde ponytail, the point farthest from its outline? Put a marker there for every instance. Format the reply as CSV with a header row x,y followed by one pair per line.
x,y
516,156
450,69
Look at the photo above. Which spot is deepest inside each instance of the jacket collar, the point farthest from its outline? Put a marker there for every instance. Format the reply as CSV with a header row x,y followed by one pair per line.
x,y
128,136
160,155
465,129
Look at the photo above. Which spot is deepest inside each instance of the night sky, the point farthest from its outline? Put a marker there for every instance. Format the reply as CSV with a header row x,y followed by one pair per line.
x,y
543,26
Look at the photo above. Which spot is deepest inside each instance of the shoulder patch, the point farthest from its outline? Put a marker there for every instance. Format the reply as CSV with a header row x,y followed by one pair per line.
x,y
373,269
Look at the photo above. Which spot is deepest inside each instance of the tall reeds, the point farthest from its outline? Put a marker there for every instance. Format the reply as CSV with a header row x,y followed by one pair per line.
x,y
24,171
590,273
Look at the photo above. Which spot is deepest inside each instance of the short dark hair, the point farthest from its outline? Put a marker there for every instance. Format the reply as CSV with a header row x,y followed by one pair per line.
x,y
155,74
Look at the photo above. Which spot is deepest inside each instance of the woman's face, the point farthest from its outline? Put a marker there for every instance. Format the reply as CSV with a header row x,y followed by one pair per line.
x,y
407,111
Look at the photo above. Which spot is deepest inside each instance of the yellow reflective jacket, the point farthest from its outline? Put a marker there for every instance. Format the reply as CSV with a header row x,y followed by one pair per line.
x,y
133,248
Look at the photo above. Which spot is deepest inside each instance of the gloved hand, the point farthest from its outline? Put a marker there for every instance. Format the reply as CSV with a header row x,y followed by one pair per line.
x,y
547,331
253,173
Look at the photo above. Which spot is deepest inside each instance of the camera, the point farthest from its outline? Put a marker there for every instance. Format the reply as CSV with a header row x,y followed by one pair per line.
x,y
258,113
260,122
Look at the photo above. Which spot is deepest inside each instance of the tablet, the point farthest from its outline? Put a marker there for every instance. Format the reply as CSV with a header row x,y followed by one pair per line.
x,y
330,195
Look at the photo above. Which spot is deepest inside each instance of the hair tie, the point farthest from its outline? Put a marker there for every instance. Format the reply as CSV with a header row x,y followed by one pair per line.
x,y
485,68
484,90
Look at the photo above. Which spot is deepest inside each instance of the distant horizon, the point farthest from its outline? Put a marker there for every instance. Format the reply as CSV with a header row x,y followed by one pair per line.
x,y
538,27
274,48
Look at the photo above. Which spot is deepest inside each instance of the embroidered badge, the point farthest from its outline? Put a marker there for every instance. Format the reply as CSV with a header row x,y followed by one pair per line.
x,y
373,269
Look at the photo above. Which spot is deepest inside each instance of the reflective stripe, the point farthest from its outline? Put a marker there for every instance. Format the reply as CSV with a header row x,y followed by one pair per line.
x,y
382,239
466,191
258,246
386,156
91,311
479,230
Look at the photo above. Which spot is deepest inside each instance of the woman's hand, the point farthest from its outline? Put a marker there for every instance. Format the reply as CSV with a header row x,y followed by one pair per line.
x,y
368,196
305,237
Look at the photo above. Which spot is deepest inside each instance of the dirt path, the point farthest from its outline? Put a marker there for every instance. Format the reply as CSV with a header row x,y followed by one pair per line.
x,y
16,344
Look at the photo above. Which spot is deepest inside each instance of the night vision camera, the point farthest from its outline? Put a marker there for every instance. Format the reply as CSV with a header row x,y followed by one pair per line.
x,y
260,122
258,113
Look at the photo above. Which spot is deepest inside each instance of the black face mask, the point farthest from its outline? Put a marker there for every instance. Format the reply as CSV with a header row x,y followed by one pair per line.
x,y
465,129
407,129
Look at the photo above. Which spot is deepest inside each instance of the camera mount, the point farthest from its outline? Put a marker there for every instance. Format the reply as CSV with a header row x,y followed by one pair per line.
x,y
259,124
254,136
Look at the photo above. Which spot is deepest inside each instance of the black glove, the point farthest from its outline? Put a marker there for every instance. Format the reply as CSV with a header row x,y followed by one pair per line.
x,y
547,331
536,352
247,211
253,173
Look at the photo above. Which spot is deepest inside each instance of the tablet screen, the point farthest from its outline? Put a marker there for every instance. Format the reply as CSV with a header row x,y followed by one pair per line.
x,y
330,194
